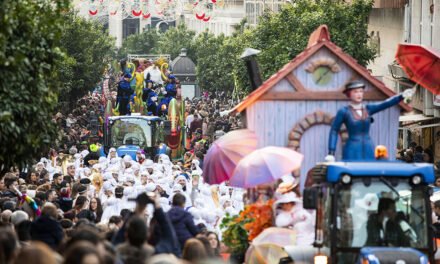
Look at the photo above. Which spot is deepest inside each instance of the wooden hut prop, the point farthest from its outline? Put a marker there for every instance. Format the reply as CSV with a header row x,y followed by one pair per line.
x,y
296,105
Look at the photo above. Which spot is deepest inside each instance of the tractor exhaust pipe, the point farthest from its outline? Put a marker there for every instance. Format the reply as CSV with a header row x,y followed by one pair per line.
x,y
250,58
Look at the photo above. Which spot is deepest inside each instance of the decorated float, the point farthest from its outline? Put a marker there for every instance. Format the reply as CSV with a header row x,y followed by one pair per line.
x,y
300,116
152,118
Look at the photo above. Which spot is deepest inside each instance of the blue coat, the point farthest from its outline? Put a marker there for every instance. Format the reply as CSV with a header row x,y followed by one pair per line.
x,y
359,145
183,224
146,96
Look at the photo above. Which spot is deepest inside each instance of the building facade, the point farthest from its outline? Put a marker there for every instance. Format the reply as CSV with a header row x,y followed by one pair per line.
x,y
223,20
417,22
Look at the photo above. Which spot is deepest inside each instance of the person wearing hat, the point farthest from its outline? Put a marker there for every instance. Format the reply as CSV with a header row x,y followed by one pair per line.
x,y
293,215
357,118
124,93
92,155
149,97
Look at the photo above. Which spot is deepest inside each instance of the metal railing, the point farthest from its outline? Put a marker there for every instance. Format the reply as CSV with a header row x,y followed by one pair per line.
x,y
153,57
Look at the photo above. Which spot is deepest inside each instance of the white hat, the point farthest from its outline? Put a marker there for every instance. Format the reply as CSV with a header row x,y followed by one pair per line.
x,y
370,202
107,176
150,187
129,191
149,164
129,178
84,153
177,188
127,158
288,198
112,150
144,173
107,186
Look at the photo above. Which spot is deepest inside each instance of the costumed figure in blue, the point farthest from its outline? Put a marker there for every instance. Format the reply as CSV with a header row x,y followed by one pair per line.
x,y
357,118
170,92
149,97
124,94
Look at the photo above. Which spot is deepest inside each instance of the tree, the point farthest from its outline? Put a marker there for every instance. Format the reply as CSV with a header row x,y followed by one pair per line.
x,y
174,39
213,60
29,62
139,43
89,49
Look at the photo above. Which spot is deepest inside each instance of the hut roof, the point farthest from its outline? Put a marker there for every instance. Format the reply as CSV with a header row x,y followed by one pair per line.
x,y
318,39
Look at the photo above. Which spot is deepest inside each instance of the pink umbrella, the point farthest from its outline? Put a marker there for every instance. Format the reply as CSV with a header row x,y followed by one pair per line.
x,y
265,166
225,153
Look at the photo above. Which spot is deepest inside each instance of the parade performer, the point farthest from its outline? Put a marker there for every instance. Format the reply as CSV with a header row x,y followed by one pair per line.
x,y
154,74
170,93
357,118
124,94
149,97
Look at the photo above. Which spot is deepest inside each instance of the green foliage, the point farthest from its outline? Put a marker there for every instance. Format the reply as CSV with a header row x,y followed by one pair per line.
x,y
282,36
174,39
214,58
234,236
89,49
30,34
139,43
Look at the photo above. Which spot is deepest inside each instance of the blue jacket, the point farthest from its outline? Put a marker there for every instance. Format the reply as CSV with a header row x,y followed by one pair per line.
x,y
359,145
146,96
171,89
183,224
124,90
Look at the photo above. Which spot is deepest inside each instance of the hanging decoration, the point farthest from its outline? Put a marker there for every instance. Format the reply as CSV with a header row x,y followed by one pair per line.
x,y
167,10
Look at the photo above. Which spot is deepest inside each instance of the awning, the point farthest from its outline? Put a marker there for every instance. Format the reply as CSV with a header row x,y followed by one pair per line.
x,y
414,118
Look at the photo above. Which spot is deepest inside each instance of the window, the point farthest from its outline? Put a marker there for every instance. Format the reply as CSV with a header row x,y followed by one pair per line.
x,y
401,221
133,131
130,26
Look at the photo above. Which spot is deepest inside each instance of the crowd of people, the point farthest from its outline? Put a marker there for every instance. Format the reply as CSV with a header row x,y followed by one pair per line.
x,y
73,206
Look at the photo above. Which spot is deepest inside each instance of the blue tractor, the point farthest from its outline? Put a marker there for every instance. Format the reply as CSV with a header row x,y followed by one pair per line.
x,y
131,133
369,212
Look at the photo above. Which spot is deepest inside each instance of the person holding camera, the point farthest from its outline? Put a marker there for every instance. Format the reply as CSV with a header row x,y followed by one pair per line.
x,y
165,238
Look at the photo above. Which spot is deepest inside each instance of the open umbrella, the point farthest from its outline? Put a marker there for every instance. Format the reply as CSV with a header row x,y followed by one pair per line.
x,y
265,166
224,154
276,235
265,254
421,64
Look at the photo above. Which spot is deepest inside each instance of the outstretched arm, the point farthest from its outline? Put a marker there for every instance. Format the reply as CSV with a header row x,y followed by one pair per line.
x,y
334,130
377,107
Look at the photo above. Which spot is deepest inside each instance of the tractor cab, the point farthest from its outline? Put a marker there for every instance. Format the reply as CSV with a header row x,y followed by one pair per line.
x,y
128,134
370,212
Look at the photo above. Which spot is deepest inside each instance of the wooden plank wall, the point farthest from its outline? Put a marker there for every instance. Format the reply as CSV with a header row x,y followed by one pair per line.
x,y
273,120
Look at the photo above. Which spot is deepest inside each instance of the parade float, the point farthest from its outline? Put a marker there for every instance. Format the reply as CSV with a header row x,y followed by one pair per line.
x,y
355,191
155,118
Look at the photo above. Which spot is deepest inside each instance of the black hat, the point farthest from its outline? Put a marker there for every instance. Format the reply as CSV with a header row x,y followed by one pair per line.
x,y
85,181
353,85
119,190
142,199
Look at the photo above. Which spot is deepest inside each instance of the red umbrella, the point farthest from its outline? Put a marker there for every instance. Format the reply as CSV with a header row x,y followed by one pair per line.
x,y
224,154
421,64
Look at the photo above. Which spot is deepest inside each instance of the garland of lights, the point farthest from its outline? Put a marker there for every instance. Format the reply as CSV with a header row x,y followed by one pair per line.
x,y
167,10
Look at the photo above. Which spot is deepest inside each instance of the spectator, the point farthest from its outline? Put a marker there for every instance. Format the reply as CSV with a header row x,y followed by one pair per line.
x,y
182,221
46,227
194,251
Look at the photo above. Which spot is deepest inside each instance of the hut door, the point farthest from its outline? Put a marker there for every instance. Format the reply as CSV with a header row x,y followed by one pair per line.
x,y
310,137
